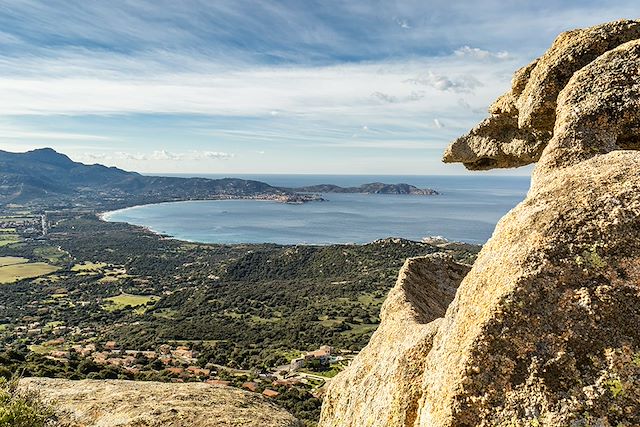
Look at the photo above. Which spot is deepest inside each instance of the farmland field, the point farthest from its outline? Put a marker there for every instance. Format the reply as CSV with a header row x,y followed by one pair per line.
x,y
12,260
15,272
8,238
121,301
89,266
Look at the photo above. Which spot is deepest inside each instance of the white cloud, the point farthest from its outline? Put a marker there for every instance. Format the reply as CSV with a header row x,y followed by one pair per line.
x,y
121,155
94,156
166,155
403,23
218,155
461,83
384,97
91,86
192,155
15,133
156,155
477,53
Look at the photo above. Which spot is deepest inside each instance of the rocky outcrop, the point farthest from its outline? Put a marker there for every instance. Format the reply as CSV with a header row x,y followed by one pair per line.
x,y
111,403
543,331
522,120
387,394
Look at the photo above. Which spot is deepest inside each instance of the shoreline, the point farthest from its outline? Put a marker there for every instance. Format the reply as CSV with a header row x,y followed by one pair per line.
x,y
433,240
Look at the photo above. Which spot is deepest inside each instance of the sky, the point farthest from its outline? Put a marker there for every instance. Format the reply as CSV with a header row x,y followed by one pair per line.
x,y
259,87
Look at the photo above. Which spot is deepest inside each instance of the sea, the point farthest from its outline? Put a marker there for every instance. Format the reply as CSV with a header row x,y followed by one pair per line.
x,y
466,210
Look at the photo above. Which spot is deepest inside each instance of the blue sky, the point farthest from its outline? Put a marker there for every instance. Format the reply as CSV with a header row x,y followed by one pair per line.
x,y
344,87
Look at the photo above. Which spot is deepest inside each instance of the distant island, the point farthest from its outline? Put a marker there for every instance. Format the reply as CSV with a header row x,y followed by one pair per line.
x,y
372,188
46,179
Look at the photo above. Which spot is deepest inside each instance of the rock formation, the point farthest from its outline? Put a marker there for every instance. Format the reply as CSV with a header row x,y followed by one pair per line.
x,y
111,403
387,394
522,120
544,329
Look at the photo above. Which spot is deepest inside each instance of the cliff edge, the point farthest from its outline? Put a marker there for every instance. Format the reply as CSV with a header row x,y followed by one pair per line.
x,y
543,331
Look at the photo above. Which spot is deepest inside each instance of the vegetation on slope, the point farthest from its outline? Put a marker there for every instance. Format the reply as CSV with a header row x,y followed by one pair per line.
x,y
22,408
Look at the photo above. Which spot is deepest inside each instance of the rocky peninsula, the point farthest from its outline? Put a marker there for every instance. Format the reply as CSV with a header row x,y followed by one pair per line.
x,y
371,188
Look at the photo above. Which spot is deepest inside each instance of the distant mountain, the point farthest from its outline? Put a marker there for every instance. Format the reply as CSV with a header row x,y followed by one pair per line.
x,y
41,174
372,188
44,178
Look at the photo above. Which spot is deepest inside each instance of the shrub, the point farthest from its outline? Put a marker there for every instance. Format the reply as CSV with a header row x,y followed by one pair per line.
x,y
22,408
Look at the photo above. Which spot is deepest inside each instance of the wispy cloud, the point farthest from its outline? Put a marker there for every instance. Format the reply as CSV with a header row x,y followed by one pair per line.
x,y
235,78
460,84
13,133
156,155
477,53
137,87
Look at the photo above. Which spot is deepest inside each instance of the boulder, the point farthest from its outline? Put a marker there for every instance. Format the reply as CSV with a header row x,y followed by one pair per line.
x,y
522,120
544,329
116,403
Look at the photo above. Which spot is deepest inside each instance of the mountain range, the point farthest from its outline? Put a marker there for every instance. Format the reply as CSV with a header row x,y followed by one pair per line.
x,y
46,177
45,173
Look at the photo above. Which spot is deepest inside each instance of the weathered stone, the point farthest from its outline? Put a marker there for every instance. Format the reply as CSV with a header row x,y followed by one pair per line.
x,y
522,120
544,329
553,296
497,142
371,393
571,51
111,403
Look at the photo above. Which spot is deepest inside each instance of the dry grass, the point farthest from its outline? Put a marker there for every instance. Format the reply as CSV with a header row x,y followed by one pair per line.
x,y
16,272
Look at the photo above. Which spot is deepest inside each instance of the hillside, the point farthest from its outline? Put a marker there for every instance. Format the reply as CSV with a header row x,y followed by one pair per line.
x,y
46,179
44,176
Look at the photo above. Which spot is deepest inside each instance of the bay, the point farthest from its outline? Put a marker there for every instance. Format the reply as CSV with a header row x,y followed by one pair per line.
x,y
467,210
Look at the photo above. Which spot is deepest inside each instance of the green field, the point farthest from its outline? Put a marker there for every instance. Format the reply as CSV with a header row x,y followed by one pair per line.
x,y
8,238
15,272
89,266
123,300
51,254
12,260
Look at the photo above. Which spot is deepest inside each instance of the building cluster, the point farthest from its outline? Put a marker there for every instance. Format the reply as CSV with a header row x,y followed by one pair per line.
x,y
26,225
324,355
179,361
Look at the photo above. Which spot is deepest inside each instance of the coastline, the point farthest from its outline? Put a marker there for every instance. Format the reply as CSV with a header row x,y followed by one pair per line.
x,y
430,240
305,231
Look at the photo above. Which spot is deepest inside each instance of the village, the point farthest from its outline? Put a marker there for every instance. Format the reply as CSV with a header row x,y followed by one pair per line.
x,y
180,363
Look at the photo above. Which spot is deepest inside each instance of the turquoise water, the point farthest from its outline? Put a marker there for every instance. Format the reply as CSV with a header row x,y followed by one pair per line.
x,y
467,210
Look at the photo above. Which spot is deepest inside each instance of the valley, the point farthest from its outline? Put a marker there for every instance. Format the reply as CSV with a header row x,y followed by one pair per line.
x,y
83,298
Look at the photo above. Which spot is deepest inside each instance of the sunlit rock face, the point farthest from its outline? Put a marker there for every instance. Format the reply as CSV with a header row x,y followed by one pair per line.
x,y
116,403
545,328
383,385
